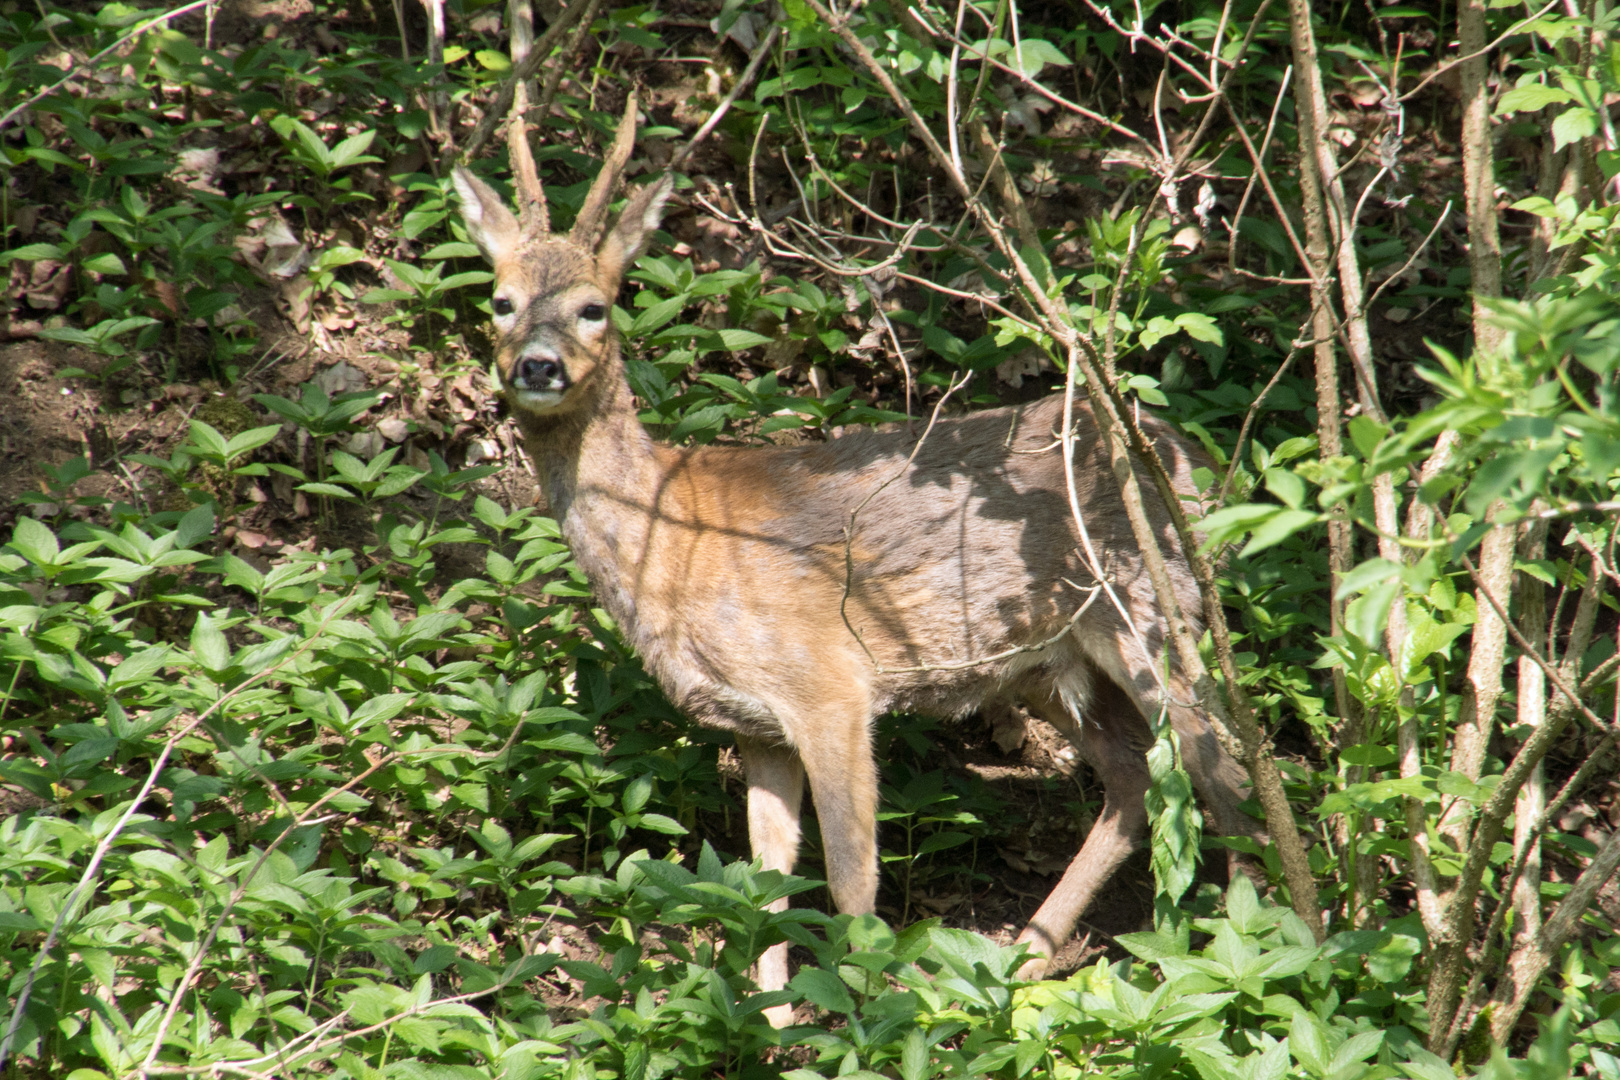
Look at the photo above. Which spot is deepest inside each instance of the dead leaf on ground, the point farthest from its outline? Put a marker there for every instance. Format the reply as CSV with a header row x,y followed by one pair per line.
x,y
48,284
341,378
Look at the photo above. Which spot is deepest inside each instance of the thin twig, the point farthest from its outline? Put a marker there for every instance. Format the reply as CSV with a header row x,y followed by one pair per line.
x,y
1504,901
977,55
201,953
1367,304
1092,592
1553,677
244,1067
1249,418
1248,188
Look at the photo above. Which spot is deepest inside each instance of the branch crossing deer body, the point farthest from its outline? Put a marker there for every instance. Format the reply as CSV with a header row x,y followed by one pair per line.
x,y
731,572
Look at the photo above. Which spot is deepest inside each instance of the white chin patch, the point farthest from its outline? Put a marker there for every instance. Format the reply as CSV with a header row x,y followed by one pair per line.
x,y
537,400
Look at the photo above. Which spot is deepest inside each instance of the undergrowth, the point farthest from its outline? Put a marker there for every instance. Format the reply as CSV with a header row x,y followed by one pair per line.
x,y
397,800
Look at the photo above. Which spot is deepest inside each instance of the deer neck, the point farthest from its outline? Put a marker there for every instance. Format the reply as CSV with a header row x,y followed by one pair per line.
x,y
602,473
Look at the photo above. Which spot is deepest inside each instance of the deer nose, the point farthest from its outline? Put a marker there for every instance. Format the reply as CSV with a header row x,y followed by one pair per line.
x,y
537,373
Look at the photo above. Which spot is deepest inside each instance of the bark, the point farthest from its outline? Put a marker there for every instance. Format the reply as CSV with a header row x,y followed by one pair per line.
x,y
437,98
1419,514
1327,212
1532,709
1409,745
1329,425
1529,964
1479,175
1486,662
1450,946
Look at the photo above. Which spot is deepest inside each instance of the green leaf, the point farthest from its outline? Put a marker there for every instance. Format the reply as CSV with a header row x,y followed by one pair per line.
x,y
1287,486
1279,527
207,439
35,542
735,340
1573,125
451,250
1391,961
468,277
197,523
327,489
107,263
1200,327
250,440
138,667
33,253
385,296
379,709
1531,98
656,316
823,989
1371,755
660,823
712,416
1030,55
208,644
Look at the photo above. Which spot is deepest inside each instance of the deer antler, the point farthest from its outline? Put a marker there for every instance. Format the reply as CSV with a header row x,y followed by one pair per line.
x,y
531,197
588,225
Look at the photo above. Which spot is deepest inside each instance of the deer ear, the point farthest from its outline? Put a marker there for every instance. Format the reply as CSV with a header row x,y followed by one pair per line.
x,y
632,231
491,225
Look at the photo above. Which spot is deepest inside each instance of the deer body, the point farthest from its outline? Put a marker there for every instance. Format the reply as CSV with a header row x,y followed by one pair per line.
x,y
726,567
732,572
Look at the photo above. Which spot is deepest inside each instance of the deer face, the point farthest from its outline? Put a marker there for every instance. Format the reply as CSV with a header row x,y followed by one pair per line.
x,y
553,295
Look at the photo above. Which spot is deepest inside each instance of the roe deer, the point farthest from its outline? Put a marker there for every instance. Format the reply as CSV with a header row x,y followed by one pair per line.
x,y
726,569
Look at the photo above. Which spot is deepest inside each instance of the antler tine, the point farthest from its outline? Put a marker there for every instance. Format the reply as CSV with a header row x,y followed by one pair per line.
x,y
593,213
531,196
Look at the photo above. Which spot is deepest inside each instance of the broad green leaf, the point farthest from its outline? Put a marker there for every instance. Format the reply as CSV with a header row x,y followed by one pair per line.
x,y
34,541
208,644
197,523
1277,528
823,989
1573,125
1531,98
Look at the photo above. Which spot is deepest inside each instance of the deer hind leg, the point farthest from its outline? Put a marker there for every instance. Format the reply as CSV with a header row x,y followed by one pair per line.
x,y
1221,782
1110,736
775,794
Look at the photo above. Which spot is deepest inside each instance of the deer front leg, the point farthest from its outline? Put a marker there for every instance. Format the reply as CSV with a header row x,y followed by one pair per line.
x,y
775,793
837,755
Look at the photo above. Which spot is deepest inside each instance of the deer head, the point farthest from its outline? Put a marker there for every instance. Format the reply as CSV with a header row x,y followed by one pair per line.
x,y
555,348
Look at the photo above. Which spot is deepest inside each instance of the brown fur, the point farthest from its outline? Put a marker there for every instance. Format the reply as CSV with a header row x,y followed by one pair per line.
x,y
725,568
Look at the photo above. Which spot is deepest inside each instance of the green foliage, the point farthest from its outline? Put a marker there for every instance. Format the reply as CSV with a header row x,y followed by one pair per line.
x,y
409,807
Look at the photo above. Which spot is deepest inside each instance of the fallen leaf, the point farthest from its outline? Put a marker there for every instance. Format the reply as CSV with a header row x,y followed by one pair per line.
x,y
393,429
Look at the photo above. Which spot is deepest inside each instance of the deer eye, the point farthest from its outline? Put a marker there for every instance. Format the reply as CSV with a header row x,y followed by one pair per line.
x,y
593,312
501,305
